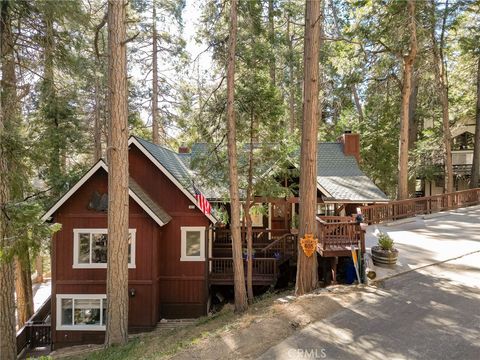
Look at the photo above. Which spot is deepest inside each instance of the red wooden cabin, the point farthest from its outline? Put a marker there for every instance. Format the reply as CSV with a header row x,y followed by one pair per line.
x,y
168,267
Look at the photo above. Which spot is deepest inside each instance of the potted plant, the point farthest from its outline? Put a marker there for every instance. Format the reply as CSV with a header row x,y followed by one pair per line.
x,y
384,253
222,215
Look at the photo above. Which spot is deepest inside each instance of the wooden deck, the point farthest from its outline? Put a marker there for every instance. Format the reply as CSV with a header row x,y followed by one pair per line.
x,y
401,209
272,248
336,235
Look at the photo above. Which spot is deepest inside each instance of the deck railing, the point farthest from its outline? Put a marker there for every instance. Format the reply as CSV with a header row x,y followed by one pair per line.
x,y
263,268
284,246
401,209
340,235
260,237
36,332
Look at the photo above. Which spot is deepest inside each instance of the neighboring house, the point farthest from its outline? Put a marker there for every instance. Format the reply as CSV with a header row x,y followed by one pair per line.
x,y
176,253
462,159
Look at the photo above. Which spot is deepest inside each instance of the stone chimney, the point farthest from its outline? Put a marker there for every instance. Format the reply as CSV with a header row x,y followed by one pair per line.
x,y
183,150
351,144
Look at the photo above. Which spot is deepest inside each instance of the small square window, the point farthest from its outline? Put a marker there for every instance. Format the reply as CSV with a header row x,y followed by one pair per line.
x,y
192,243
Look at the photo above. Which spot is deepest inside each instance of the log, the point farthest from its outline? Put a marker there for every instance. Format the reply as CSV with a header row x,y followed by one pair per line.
x,y
369,267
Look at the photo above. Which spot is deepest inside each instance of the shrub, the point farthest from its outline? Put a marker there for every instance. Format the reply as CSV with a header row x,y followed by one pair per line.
x,y
385,242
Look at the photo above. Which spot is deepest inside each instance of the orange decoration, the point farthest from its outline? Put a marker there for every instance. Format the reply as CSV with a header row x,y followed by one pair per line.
x,y
309,244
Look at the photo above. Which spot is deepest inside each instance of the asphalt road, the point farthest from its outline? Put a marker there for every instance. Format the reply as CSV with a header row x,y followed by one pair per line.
x,y
433,313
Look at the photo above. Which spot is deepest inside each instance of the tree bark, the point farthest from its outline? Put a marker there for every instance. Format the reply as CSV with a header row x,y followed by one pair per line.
x,y
248,217
441,81
307,277
408,62
8,104
271,38
291,95
23,290
118,219
155,127
97,135
238,271
356,100
474,182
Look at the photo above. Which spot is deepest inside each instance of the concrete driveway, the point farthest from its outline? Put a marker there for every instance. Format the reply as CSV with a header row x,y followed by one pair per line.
x,y
425,240
433,313
428,312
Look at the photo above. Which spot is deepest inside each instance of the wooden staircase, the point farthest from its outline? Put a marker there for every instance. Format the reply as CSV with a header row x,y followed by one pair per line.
x,y
270,252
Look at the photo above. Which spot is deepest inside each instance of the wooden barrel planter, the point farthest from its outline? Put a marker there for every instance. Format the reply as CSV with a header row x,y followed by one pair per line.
x,y
384,257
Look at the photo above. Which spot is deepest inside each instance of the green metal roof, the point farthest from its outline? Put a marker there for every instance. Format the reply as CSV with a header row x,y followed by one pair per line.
x,y
171,161
339,176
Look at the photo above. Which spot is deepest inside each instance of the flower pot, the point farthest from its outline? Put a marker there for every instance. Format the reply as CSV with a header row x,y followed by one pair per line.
x,y
294,231
384,257
363,226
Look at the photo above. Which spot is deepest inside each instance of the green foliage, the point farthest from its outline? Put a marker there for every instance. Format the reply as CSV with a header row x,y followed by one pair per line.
x,y
29,232
385,242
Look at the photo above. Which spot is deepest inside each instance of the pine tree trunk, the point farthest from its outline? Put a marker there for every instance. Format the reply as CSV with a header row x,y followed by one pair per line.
x,y
474,182
307,277
8,104
408,62
23,290
356,100
39,268
441,80
238,271
248,223
97,126
155,127
248,216
271,39
117,268
291,95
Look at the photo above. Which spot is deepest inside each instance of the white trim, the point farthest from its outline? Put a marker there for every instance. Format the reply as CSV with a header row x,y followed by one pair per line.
x,y
323,190
168,175
145,207
88,175
77,265
69,193
73,297
183,246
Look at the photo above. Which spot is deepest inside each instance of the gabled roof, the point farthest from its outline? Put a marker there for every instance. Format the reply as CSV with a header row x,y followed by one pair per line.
x,y
170,164
340,177
148,201
135,192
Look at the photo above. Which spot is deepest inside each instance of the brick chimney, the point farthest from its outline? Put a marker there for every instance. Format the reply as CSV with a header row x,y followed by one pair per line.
x,y
183,150
351,144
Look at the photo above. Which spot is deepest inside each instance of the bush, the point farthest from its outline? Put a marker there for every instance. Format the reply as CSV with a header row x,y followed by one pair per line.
x,y
385,242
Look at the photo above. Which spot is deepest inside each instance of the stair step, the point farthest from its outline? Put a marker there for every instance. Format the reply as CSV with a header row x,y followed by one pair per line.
x,y
170,324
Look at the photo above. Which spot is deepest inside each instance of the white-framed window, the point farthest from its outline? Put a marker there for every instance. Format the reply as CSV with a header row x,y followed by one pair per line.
x,y
193,243
81,312
90,248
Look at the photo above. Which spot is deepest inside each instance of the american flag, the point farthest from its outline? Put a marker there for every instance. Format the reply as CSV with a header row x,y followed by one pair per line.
x,y
202,201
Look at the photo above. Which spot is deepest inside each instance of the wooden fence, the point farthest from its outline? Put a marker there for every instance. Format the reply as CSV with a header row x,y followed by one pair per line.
x,y
401,209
